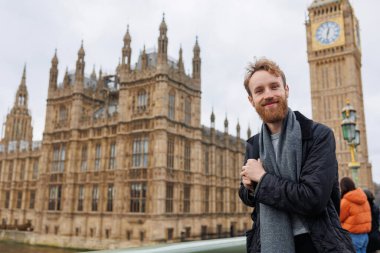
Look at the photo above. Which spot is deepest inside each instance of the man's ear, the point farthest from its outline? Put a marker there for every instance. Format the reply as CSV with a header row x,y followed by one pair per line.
x,y
287,91
250,98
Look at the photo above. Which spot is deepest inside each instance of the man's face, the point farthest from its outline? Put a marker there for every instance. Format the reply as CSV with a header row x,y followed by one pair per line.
x,y
269,96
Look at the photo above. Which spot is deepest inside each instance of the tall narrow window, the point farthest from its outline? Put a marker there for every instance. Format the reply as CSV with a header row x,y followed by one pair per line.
x,y
186,198
140,153
55,197
62,114
142,100
219,199
19,199
169,197
59,156
187,111
112,161
171,113
98,154
206,199
22,170
187,156
221,165
206,161
10,171
95,198
138,197
233,200
110,197
35,170
80,198
1,169
170,153
32,199
62,158
83,163
7,199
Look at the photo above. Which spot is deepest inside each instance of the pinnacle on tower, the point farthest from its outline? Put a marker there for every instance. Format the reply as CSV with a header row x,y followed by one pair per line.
x,y
79,71
180,64
196,61
126,50
53,72
238,129
163,27
144,60
22,92
81,52
226,124
93,74
163,43
66,79
54,60
212,118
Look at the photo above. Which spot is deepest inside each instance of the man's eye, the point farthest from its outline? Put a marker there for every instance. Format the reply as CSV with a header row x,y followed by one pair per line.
x,y
258,91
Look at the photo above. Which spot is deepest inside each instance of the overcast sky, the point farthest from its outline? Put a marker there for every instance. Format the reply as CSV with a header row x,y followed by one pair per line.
x,y
231,33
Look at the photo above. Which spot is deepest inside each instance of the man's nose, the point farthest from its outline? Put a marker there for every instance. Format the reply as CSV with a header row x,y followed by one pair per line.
x,y
268,94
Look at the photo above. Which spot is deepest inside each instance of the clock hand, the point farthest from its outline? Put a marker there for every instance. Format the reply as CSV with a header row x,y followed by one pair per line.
x,y
327,34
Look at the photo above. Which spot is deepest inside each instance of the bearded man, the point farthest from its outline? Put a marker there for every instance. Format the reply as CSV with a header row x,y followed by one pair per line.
x,y
290,175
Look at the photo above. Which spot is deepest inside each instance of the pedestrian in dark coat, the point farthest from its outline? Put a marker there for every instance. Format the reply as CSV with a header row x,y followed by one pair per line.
x,y
374,234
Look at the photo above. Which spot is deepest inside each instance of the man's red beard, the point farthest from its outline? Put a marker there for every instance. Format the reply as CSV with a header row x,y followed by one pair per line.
x,y
273,115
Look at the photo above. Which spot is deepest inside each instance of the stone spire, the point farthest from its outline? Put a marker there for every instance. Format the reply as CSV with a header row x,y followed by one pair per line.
x,y
79,71
21,100
93,74
18,123
197,62
180,64
249,133
53,72
238,129
127,50
66,79
163,43
144,60
212,118
226,124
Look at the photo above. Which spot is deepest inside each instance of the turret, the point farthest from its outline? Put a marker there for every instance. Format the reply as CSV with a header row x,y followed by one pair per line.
x,y
180,65
197,63
79,71
53,73
163,44
226,125
238,130
126,51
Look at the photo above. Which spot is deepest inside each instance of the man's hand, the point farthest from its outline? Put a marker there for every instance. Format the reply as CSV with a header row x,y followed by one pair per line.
x,y
252,171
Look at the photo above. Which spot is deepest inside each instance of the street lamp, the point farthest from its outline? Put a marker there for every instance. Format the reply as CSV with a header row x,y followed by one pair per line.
x,y
352,135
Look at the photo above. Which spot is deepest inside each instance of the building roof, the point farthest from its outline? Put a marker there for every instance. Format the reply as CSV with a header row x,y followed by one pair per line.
x,y
317,3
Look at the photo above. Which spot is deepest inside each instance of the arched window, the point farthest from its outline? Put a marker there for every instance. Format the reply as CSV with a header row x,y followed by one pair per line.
x,y
142,100
62,114
171,113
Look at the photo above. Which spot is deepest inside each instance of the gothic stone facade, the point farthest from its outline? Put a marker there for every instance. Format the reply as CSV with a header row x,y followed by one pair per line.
x,y
124,160
334,55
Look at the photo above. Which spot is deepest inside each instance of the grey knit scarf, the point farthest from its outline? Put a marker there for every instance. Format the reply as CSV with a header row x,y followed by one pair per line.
x,y
275,225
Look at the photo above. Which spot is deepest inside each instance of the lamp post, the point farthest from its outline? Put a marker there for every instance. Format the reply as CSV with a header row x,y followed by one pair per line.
x,y
352,135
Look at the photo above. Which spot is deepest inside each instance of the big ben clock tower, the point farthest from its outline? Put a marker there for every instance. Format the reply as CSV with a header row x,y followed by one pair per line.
x,y
334,56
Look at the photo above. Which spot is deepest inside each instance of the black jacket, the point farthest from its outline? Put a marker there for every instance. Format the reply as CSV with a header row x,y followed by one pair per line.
x,y
316,196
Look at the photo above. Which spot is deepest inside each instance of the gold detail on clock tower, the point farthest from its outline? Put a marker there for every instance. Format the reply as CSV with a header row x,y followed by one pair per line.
x,y
334,56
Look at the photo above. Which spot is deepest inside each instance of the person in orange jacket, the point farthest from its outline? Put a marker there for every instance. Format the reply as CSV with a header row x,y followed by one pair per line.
x,y
355,213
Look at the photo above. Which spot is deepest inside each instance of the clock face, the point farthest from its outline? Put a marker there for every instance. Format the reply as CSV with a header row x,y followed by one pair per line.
x,y
327,32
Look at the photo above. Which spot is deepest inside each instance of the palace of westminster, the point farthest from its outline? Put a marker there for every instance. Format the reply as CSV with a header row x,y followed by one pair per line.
x,y
125,161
